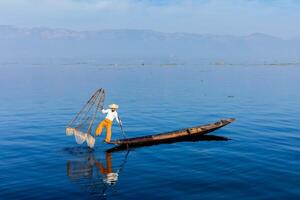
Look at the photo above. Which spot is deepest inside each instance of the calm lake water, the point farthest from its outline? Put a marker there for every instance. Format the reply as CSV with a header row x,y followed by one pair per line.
x,y
260,161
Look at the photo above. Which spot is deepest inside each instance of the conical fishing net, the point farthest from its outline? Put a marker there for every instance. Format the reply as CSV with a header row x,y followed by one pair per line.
x,y
83,123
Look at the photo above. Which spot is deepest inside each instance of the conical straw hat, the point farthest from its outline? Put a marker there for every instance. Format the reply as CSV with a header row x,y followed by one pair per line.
x,y
114,106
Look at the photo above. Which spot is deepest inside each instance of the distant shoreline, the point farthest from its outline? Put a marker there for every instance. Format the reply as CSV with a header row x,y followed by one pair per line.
x,y
133,64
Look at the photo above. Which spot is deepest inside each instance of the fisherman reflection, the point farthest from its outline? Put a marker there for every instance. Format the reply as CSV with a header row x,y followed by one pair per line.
x,y
109,177
91,168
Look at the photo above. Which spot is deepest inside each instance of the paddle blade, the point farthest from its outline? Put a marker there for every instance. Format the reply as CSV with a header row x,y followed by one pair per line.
x,y
90,140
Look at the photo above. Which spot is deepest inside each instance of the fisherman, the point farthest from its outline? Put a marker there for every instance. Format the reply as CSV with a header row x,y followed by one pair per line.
x,y
107,122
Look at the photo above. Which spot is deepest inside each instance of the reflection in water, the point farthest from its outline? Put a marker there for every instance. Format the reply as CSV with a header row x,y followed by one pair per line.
x,y
109,177
100,176
96,176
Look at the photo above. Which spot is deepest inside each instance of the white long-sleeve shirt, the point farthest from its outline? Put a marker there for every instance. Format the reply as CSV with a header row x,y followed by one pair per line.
x,y
111,115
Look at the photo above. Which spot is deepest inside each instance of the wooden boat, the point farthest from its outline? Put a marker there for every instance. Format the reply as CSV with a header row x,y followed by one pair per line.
x,y
183,133
193,138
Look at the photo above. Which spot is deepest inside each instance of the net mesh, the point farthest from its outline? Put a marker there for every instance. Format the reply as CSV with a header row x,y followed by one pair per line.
x,y
83,123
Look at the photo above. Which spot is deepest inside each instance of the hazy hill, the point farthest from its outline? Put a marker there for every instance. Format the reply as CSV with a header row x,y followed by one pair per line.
x,y
133,46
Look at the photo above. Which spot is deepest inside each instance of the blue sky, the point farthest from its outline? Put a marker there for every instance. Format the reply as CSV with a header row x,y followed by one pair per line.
x,y
236,17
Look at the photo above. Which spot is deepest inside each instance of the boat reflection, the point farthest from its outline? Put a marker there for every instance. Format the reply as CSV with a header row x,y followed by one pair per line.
x,y
98,177
170,141
95,176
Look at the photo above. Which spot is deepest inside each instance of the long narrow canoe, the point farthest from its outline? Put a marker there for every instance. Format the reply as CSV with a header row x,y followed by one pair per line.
x,y
183,133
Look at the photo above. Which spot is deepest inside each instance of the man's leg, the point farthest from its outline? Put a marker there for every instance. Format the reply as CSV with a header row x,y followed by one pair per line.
x,y
99,128
108,133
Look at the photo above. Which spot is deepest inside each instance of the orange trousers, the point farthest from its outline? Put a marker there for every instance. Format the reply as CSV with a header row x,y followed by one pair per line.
x,y
107,124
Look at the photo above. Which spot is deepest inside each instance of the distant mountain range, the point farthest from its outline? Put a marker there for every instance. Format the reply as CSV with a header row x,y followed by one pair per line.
x,y
143,46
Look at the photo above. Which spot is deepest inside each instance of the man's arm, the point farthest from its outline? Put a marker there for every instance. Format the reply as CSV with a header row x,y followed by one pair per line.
x,y
118,119
104,111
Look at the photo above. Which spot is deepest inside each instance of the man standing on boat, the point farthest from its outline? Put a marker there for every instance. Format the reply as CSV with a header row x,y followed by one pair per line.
x,y
107,122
